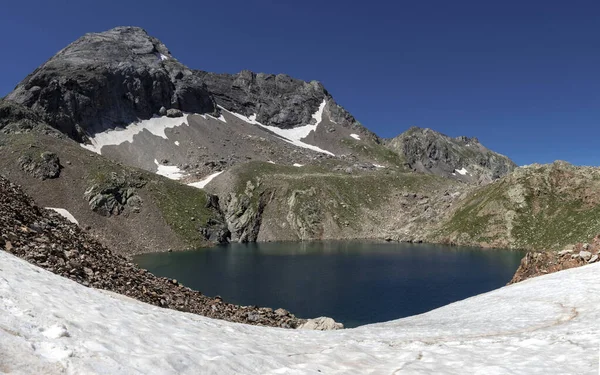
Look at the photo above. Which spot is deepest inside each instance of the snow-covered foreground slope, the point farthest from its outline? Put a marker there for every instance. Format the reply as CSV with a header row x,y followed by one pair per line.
x,y
546,325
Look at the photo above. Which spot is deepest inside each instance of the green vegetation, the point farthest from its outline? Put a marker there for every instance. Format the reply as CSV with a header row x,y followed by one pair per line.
x,y
375,152
183,208
543,208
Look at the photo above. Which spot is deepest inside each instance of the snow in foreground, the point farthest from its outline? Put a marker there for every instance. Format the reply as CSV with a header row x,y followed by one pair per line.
x,y
546,325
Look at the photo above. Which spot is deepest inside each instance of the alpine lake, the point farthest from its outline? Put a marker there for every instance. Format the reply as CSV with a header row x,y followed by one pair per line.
x,y
354,282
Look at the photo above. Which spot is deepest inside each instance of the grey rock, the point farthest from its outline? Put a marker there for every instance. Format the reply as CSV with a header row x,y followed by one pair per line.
x,y
593,258
585,255
174,113
162,111
428,151
109,79
281,312
45,166
277,100
321,324
18,119
565,252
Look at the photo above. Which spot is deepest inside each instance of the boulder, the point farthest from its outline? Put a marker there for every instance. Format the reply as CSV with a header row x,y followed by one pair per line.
x,y
585,255
174,113
321,324
593,258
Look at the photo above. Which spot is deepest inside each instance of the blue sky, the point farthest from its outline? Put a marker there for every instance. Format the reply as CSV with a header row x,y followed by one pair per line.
x,y
522,76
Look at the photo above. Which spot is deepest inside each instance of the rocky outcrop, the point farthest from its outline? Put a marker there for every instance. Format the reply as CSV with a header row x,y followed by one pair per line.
x,y
216,229
113,193
43,166
426,150
243,212
277,100
542,263
108,79
321,324
48,240
18,119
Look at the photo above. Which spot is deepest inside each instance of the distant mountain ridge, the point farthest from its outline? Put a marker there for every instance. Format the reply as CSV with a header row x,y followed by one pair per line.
x,y
426,150
108,80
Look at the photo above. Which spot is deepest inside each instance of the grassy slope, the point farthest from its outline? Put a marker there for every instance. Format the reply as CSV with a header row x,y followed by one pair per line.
x,y
176,203
537,208
312,195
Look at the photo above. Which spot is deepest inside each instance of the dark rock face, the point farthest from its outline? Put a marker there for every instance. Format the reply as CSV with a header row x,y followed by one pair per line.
x,y
426,150
49,241
46,166
108,79
15,118
277,100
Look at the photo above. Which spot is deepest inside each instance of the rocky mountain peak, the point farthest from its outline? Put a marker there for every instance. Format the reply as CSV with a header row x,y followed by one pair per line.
x,y
427,150
109,79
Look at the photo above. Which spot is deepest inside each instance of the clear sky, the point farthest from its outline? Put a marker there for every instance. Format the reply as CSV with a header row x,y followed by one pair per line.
x,y
522,76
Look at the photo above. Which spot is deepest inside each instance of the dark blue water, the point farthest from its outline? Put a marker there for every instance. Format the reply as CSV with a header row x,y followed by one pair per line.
x,y
353,282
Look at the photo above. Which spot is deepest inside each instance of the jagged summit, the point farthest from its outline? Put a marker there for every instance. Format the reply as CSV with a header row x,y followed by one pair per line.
x,y
109,79
427,150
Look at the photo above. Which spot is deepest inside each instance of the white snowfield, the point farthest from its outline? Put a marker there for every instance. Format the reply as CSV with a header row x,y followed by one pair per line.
x,y
462,171
64,213
202,183
51,325
170,171
155,125
294,135
355,136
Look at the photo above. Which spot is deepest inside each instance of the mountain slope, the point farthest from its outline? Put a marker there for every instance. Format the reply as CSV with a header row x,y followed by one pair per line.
x,y
536,207
122,94
129,209
426,150
109,79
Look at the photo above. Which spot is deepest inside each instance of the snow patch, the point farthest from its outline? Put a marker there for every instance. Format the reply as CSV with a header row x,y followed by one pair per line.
x,y
114,137
170,171
270,161
294,135
220,118
378,166
176,143
52,352
202,183
462,171
56,331
355,136
545,325
64,213
163,57
298,165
